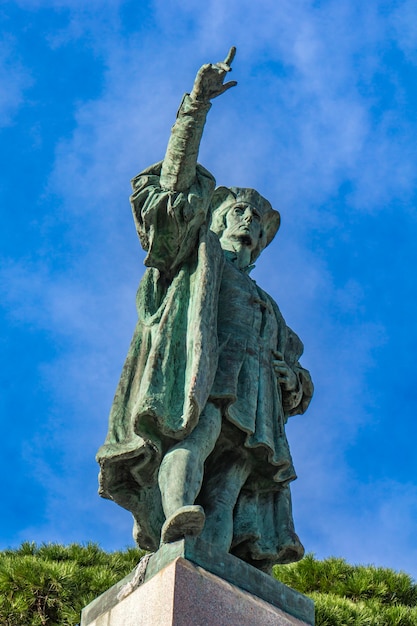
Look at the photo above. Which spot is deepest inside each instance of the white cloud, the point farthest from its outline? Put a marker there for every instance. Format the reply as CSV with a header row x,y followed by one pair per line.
x,y
382,531
319,134
15,79
404,27
298,125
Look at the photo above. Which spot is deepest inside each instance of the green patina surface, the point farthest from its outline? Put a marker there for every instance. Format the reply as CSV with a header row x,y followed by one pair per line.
x,y
196,442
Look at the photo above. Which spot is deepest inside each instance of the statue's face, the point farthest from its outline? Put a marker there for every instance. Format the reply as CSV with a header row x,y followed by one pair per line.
x,y
243,225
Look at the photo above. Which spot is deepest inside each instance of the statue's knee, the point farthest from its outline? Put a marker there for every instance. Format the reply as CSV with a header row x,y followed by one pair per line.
x,y
177,456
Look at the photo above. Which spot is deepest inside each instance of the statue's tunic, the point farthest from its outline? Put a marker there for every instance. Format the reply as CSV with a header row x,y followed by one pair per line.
x,y
249,328
206,333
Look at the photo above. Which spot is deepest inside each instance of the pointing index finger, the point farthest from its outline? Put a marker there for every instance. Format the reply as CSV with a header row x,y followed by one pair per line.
x,y
231,55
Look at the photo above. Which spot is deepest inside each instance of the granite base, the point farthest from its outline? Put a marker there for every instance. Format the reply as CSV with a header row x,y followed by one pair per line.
x,y
180,589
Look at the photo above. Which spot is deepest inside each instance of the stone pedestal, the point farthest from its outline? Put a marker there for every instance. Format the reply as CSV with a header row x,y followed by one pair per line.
x,y
178,592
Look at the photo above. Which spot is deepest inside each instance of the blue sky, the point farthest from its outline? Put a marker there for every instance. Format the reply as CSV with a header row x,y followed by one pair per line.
x,y
323,123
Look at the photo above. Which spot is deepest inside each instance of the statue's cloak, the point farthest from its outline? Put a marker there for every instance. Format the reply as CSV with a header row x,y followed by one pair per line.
x,y
172,359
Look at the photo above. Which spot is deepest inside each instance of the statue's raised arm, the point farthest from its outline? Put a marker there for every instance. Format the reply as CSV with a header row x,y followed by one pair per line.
x,y
179,166
171,200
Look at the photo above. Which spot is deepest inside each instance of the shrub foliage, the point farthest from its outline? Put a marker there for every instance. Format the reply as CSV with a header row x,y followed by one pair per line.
x,y
353,595
48,585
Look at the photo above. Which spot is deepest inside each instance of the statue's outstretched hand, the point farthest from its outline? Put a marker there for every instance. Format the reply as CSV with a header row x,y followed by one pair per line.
x,y
208,83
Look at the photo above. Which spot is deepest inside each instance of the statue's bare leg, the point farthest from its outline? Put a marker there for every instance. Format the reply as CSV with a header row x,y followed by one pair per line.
x,y
181,475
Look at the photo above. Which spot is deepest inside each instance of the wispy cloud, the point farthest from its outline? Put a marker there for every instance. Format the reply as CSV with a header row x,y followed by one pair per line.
x,y
304,125
404,28
15,79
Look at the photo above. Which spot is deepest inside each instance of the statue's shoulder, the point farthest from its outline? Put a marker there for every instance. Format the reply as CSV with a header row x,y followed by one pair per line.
x,y
272,302
294,347
144,177
152,174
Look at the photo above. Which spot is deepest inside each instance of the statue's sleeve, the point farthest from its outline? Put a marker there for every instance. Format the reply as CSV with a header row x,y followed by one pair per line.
x,y
168,222
171,200
296,402
180,161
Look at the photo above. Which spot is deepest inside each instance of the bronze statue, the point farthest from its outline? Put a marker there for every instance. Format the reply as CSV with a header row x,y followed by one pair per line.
x,y
196,442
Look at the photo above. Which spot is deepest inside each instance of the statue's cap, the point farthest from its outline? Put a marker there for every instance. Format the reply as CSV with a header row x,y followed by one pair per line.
x,y
224,197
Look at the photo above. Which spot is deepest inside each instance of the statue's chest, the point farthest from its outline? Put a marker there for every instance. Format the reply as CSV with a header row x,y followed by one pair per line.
x,y
244,310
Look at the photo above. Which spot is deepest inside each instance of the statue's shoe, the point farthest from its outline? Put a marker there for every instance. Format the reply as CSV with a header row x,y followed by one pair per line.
x,y
188,521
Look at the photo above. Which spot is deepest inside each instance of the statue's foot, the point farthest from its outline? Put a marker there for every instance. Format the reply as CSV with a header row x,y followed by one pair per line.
x,y
188,521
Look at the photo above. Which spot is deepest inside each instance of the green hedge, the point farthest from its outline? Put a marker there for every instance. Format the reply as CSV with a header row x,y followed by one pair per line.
x,y
353,595
48,585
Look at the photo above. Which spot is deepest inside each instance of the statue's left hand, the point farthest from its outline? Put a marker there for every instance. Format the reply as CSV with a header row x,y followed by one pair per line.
x,y
285,375
208,83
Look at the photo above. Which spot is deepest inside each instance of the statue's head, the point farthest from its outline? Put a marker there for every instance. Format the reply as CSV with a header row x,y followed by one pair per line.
x,y
242,214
